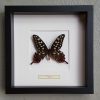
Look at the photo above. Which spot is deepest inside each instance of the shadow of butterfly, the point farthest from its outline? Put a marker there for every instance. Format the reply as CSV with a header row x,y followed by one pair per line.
x,y
42,50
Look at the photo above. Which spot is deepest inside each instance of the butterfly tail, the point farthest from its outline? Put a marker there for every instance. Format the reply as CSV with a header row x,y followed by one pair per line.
x,y
31,62
66,62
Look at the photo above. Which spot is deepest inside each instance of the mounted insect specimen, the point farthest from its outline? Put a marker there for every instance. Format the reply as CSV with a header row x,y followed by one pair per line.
x,y
42,50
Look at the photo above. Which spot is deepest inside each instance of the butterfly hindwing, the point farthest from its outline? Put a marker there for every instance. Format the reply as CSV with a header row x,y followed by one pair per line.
x,y
58,56
37,57
41,49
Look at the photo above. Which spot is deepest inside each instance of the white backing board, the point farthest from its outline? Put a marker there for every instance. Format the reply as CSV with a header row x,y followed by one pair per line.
x,y
48,27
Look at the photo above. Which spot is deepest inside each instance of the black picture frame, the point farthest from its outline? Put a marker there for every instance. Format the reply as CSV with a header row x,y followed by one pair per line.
x,y
88,9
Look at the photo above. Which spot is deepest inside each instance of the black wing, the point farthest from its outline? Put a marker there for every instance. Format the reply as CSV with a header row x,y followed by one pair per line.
x,y
55,52
58,42
41,49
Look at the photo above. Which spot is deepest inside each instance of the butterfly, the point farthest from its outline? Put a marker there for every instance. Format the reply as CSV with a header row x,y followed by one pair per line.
x,y
42,50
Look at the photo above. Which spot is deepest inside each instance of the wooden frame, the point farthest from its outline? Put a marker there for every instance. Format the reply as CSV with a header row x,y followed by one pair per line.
x,y
88,10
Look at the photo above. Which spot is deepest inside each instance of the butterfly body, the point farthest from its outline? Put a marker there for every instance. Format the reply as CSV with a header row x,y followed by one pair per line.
x,y
42,50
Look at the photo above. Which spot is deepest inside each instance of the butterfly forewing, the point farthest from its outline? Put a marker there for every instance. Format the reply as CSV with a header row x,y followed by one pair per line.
x,y
39,44
58,43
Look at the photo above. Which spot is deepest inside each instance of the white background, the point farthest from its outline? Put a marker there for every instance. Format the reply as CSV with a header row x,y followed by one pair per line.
x,y
25,74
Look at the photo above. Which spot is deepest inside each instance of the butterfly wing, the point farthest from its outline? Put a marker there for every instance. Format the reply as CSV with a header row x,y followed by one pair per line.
x,y
58,43
58,56
41,49
55,52
39,44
